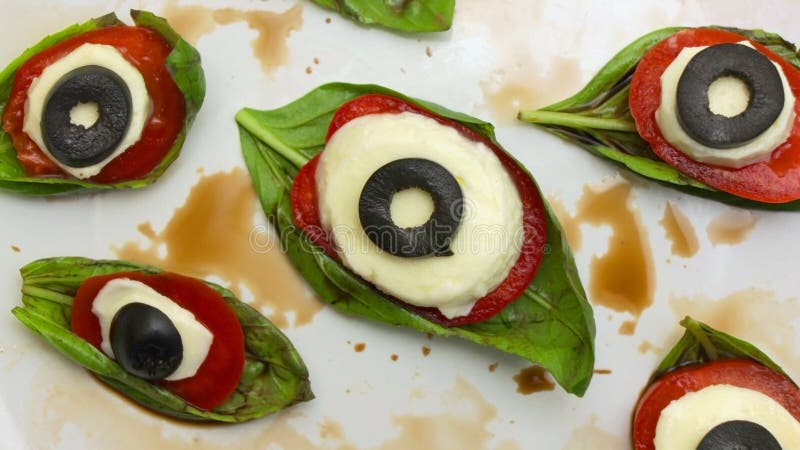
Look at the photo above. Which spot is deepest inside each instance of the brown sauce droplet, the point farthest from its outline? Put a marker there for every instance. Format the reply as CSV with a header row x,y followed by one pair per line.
x,y
679,231
219,213
428,52
754,315
533,379
730,227
426,350
316,61
394,357
628,328
308,70
359,347
273,29
647,346
15,249
493,367
327,20
622,279
602,371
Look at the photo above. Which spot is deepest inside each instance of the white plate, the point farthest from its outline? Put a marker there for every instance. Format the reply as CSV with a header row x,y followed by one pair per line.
x,y
365,400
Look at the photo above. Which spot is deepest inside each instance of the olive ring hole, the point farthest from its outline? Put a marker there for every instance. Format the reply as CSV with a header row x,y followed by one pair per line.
x,y
397,218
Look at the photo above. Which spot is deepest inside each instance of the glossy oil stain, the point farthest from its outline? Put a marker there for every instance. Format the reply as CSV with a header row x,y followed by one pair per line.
x,y
213,234
755,315
623,278
273,29
731,227
533,379
69,408
679,231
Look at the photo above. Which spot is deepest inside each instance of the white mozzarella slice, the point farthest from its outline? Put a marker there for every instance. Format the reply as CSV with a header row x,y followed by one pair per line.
x,y
685,421
195,337
726,98
88,55
488,240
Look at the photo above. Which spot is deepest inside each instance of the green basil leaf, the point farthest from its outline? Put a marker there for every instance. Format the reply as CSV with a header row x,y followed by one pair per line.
x,y
551,324
701,344
598,119
274,377
183,64
413,16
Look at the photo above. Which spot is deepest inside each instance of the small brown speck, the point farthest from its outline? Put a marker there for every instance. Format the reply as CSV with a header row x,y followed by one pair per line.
x,y
347,391
402,70
428,52
316,61
394,357
308,70
15,249
327,20
200,170
430,336
602,371
359,347
493,367
426,350
512,421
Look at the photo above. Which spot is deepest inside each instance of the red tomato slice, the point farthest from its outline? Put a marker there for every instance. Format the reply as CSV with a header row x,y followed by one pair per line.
x,y
776,180
144,49
742,373
305,206
218,376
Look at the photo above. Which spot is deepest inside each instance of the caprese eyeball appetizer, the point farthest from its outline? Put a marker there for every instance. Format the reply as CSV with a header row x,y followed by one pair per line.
x,y
98,105
710,110
177,345
715,392
410,214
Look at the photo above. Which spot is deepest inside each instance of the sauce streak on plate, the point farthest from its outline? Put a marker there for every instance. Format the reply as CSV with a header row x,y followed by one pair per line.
x,y
731,227
273,28
679,231
213,234
622,279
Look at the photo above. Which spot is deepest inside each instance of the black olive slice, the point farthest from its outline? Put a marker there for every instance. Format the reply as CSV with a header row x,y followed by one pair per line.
x,y
729,60
739,435
74,145
431,238
145,341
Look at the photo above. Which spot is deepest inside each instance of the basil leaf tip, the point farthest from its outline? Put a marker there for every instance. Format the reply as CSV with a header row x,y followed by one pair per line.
x,y
702,344
411,16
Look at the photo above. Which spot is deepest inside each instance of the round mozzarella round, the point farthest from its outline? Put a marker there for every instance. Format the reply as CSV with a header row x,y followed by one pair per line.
x,y
726,98
487,242
685,421
88,55
195,337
